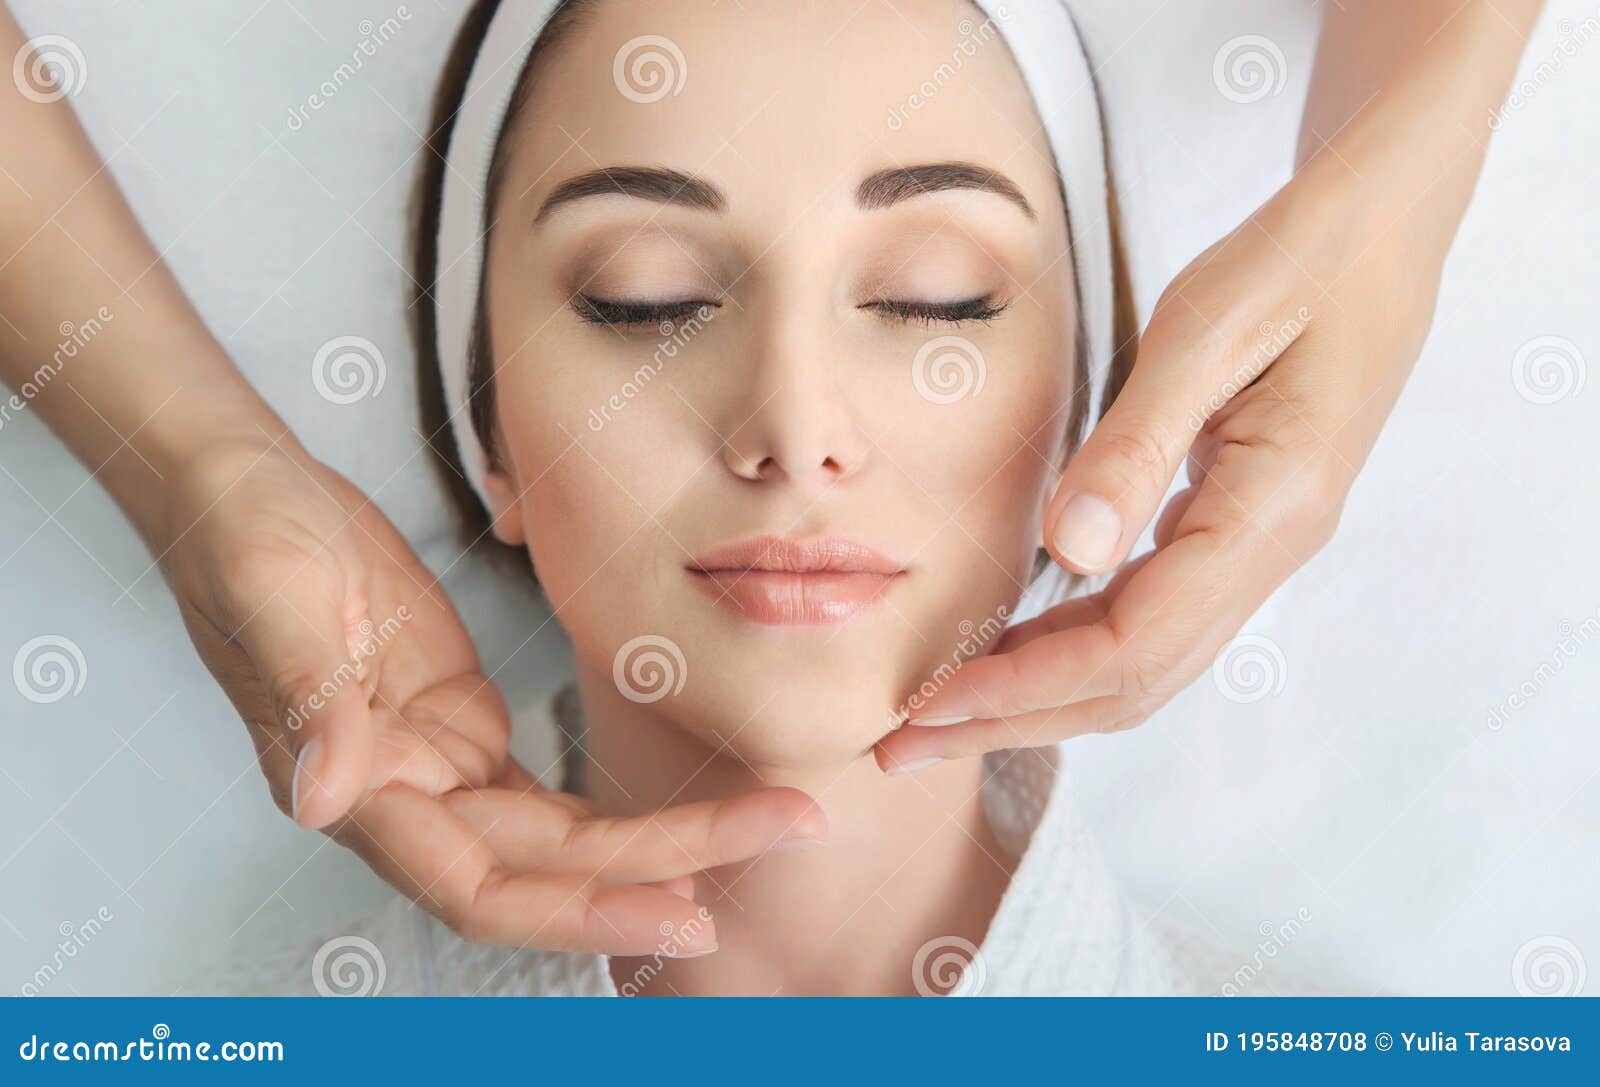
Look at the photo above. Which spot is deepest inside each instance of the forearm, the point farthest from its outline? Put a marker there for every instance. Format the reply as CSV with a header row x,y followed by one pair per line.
x,y
1399,105
97,337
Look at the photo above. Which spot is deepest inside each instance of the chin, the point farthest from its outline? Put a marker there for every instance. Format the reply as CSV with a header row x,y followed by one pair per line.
x,y
814,717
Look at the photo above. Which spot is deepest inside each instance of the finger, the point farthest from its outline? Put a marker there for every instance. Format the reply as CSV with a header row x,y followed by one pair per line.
x,y
1057,666
452,734
913,748
1187,369
531,832
297,643
1226,556
1172,516
415,843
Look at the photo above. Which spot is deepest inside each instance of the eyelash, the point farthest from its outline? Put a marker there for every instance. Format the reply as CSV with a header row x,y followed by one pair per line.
x,y
602,311
928,314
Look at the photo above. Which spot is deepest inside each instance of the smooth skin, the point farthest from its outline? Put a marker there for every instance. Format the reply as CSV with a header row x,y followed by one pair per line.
x,y
276,561
1349,253
205,471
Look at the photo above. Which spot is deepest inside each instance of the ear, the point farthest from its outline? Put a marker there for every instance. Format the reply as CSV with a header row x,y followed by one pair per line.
x,y
505,509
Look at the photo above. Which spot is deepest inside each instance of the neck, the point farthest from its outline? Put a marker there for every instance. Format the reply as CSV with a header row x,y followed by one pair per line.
x,y
908,859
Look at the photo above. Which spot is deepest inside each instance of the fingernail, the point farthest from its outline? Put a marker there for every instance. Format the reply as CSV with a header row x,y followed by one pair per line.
x,y
1087,532
935,722
789,845
306,765
702,941
913,766
693,954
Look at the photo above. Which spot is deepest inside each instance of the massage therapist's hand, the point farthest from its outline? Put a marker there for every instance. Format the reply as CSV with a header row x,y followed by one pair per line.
x,y
1269,366
373,719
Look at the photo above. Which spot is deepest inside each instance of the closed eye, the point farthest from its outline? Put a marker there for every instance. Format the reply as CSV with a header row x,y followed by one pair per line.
x,y
617,313
935,313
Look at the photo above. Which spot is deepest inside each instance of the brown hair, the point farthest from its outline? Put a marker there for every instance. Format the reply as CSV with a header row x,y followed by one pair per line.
x,y
424,247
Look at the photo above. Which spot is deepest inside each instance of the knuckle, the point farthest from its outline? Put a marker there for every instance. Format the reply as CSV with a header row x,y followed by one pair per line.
x,y
1137,454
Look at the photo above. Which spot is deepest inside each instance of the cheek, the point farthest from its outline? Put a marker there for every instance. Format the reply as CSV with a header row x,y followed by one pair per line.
x,y
1003,455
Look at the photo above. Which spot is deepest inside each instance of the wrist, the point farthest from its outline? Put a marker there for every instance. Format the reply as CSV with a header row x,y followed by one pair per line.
x,y
199,433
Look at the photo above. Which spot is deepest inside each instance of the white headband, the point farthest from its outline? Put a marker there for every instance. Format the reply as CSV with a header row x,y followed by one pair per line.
x,y
1042,38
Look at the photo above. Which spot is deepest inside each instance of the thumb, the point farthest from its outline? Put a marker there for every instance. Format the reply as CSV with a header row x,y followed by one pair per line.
x,y
1114,484
298,646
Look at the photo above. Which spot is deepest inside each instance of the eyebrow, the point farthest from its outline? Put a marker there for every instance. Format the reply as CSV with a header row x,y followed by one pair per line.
x,y
888,187
654,183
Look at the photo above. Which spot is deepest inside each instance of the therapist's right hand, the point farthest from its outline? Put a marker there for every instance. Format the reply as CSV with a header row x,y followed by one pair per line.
x,y
374,721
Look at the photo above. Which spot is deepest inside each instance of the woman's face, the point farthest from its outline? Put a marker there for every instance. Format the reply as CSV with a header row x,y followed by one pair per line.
x,y
784,350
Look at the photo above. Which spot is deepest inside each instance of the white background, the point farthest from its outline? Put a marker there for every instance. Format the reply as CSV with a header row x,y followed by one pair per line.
x,y
1369,793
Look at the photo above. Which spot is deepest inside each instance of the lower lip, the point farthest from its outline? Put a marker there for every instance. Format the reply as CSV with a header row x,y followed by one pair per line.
x,y
785,598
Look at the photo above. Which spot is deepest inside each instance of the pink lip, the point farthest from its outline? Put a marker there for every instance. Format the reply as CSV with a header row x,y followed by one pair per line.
x,y
781,582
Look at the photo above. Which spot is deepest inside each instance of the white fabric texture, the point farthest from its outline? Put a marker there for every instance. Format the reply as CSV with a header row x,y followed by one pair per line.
x,y
1063,927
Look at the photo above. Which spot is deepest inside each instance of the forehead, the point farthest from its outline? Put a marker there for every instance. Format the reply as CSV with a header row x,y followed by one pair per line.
x,y
785,104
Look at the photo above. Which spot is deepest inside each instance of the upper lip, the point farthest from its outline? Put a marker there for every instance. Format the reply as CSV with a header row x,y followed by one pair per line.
x,y
832,555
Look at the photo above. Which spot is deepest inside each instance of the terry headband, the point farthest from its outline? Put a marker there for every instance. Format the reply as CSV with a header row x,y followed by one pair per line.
x,y
1042,38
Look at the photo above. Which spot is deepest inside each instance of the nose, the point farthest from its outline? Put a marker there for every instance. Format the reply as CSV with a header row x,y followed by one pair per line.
x,y
792,422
